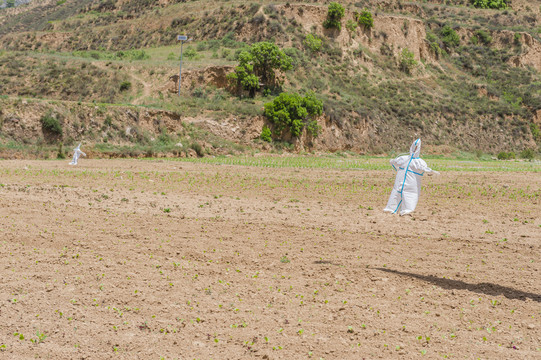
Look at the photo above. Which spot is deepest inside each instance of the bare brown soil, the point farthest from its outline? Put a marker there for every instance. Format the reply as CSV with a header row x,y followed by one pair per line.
x,y
139,259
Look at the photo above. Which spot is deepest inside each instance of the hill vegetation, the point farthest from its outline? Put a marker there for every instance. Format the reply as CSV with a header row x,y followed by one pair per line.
x,y
464,75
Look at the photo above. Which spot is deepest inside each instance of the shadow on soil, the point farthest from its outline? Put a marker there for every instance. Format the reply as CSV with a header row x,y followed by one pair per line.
x,y
482,288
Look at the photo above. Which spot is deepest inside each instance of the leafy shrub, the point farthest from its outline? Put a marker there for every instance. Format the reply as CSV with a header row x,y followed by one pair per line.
x,y
108,121
365,19
407,60
434,43
125,85
449,37
527,154
197,148
516,39
490,4
259,64
60,153
351,26
506,155
312,42
51,124
536,133
291,112
483,36
192,54
199,93
334,16
266,134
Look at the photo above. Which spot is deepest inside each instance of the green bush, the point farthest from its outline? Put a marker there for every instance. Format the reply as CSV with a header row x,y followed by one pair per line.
x,y
334,16
192,54
527,154
292,112
199,92
351,26
449,37
490,4
51,124
433,41
365,19
60,154
516,39
483,36
407,61
506,155
536,133
125,85
312,42
266,134
197,148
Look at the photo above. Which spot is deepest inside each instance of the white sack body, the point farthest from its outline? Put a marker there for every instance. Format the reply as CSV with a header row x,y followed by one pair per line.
x,y
76,153
407,185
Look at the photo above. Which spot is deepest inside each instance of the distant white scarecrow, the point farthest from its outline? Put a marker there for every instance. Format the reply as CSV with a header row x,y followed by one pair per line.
x,y
76,153
407,185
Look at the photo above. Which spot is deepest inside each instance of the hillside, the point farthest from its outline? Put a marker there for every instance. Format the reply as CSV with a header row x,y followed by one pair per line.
x,y
461,77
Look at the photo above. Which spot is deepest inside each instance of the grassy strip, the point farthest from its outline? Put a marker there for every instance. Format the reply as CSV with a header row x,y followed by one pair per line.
x,y
365,163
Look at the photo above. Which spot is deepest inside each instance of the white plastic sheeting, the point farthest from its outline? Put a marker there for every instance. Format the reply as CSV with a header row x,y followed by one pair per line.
x,y
76,154
407,185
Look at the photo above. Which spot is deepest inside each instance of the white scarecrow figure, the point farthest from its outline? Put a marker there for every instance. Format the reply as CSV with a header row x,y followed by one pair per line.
x,y
407,185
76,153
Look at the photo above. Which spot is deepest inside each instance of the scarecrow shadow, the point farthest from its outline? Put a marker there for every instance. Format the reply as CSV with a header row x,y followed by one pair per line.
x,y
482,288
325,262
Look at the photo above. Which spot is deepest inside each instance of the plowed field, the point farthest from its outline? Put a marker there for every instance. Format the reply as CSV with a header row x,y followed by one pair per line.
x,y
134,259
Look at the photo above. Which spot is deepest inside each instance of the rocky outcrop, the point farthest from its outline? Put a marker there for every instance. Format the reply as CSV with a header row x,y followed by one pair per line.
x,y
531,53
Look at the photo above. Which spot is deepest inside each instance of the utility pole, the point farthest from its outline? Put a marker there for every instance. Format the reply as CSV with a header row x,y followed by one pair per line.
x,y
182,39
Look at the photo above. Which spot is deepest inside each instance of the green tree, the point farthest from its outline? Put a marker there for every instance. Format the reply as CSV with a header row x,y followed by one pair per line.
x,y
365,19
258,65
407,60
10,3
266,59
292,112
334,16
